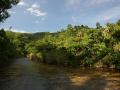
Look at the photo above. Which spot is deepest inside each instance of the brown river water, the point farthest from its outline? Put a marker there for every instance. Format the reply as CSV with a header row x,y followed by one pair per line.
x,y
24,74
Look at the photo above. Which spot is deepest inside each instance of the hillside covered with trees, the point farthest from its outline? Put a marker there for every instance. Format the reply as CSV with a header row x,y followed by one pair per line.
x,y
72,46
76,57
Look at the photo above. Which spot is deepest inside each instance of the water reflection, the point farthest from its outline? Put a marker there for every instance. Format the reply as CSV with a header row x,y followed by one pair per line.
x,y
24,74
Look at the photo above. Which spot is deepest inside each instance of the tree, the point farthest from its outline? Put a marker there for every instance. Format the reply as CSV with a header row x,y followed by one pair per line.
x,y
69,27
98,26
4,6
6,47
118,22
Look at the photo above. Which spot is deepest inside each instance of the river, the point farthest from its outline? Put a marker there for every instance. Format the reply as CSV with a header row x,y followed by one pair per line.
x,y
24,74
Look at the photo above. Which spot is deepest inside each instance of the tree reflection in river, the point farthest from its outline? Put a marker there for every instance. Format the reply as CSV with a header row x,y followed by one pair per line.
x,y
24,74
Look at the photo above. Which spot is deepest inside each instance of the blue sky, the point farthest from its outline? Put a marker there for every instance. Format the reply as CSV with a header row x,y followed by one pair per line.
x,y
52,15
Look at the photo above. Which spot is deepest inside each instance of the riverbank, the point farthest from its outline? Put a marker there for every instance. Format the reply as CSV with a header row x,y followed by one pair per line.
x,y
59,61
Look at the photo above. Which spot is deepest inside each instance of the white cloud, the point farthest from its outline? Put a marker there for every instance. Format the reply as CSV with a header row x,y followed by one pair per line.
x,y
81,6
22,3
106,18
16,30
109,14
36,10
35,5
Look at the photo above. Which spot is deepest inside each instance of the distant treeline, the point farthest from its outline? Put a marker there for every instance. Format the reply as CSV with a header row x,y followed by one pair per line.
x,y
72,46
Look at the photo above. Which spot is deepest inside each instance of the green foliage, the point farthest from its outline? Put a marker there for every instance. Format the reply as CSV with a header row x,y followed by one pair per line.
x,y
73,46
116,59
78,45
4,6
7,49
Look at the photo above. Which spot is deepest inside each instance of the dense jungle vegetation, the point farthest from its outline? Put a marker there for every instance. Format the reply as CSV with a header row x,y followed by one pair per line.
x,y
72,46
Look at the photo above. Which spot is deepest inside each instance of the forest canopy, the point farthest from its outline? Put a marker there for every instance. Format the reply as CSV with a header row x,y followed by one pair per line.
x,y
72,46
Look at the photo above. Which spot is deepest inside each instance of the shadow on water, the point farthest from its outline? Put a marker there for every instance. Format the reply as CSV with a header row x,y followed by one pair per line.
x,y
61,78
70,81
6,63
24,74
